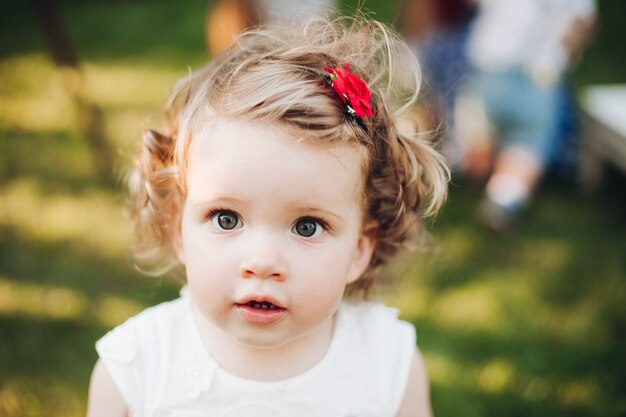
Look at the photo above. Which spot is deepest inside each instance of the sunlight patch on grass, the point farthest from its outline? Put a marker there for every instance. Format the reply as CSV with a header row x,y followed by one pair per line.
x,y
441,369
33,97
577,393
121,86
37,114
500,376
524,307
496,376
569,393
408,295
94,218
112,311
33,396
39,301
476,306
17,400
124,128
27,75
63,303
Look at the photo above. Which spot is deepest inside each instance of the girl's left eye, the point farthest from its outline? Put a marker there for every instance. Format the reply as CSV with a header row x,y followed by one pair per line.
x,y
308,227
225,220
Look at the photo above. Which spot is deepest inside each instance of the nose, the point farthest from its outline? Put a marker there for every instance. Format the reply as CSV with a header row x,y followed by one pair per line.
x,y
263,259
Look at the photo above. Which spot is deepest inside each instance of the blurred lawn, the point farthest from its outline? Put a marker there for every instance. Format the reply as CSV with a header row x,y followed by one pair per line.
x,y
527,325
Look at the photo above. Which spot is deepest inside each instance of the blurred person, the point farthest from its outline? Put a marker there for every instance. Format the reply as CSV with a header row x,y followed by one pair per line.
x,y
227,18
285,183
508,113
437,32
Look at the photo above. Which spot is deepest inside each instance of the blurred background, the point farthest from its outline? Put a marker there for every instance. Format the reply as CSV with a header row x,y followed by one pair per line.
x,y
518,314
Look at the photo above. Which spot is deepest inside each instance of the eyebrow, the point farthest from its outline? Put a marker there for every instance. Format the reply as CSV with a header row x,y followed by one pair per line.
x,y
324,213
214,201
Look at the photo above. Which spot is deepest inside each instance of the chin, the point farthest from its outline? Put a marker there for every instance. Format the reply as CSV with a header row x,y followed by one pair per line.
x,y
275,337
263,340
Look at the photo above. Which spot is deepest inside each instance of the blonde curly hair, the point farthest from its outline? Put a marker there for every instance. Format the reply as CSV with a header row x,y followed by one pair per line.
x,y
275,74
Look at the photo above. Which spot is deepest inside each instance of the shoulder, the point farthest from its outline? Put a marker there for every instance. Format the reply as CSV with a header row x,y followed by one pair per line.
x,y
375,317
147,327
105,399
383,348
377,326
416,400
128,353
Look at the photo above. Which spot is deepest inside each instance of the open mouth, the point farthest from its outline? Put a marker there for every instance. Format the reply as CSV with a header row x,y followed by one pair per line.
x,y
263,305
261,312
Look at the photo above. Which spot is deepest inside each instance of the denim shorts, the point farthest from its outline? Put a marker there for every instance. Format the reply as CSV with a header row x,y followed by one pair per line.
x,y
522,113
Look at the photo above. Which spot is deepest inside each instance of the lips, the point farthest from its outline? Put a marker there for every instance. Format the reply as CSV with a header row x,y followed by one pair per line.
x,y
258,301
260,310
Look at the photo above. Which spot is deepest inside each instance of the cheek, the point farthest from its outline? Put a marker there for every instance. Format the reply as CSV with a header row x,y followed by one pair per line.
x,y
323,281
207,266
201,248
320,297
205,279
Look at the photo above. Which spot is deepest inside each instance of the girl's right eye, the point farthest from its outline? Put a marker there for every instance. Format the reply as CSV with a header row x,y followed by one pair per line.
x,y
309,227
225,220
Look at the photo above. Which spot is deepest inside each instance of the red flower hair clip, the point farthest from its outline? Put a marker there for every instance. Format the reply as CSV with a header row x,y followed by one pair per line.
x,y
352,91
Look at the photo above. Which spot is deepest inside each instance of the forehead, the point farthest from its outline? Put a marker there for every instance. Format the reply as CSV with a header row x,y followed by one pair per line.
x,y
252,158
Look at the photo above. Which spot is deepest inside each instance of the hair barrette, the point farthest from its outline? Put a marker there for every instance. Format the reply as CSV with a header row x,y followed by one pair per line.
x,y
352,91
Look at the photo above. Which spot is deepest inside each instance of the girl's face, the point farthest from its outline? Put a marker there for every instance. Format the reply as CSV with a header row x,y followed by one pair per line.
x,y
271,232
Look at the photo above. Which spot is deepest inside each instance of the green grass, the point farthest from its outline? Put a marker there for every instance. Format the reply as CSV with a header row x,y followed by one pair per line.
x,y
527,324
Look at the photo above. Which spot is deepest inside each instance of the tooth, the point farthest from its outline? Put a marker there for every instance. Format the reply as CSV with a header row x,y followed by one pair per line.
x,y
264,306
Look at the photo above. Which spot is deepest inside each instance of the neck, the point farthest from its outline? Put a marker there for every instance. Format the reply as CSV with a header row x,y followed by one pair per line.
x,y
266,364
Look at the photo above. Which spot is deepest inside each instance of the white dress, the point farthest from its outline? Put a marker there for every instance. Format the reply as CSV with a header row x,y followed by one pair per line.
x,y
162,368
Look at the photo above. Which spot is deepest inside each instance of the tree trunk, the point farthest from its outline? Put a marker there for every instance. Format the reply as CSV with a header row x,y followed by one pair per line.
x,y
88,114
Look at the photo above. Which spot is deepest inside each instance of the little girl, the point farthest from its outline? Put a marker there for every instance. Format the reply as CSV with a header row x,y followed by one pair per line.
x,y
287,179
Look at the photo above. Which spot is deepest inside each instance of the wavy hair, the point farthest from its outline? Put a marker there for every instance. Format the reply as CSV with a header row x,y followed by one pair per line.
x,y
275,75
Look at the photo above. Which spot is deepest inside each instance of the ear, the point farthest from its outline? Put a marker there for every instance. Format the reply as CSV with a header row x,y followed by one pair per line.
x,y
363,254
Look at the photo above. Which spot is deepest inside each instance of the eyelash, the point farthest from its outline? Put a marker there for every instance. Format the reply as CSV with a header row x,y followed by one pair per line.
x,y
318,220
217,211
